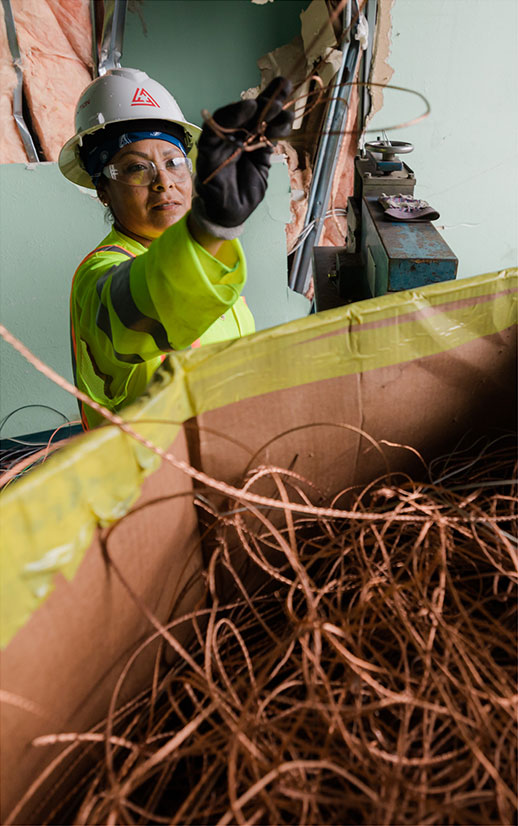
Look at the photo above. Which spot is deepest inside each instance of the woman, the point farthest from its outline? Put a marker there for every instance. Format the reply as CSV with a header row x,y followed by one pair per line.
x,y
170,273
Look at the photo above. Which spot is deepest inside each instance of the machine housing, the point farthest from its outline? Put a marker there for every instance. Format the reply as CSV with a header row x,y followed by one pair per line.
x,y
380,255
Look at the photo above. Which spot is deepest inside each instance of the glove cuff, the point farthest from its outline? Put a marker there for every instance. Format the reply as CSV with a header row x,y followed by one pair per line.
x,y
200,215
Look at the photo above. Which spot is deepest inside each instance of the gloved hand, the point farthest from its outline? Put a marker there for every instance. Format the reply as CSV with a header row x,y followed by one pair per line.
x,y
223,203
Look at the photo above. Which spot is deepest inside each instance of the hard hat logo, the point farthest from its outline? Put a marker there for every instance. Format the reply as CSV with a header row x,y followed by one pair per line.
x,y
120,96
143,98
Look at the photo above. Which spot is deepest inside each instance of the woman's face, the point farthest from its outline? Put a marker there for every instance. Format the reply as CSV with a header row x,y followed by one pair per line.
x,y
144,212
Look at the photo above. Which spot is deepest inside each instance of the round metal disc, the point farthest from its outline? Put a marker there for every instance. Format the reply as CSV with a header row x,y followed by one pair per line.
x,y
392,148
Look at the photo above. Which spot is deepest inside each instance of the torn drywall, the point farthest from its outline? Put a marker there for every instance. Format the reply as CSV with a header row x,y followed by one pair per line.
x,y
313,53
54,38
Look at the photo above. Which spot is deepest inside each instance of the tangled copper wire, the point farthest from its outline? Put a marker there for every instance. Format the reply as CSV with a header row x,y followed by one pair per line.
x,y
305,103
360,672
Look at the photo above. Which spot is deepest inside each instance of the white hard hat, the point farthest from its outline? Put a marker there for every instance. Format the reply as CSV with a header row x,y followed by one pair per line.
x,y
120,95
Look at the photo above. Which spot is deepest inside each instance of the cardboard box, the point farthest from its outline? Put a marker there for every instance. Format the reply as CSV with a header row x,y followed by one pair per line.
x,y
334,396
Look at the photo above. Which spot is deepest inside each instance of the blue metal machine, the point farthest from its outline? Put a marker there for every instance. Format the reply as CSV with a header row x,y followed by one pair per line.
x,y
380,255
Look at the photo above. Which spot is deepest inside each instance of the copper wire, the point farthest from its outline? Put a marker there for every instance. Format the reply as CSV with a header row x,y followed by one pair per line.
x,y
371,679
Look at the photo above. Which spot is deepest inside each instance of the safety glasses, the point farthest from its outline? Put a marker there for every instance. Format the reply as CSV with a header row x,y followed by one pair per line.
x,y
144,173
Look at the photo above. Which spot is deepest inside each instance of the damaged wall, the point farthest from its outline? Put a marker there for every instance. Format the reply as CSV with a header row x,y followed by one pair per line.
x,y
55,42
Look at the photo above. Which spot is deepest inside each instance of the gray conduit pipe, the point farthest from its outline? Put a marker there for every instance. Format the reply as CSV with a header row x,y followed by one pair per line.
x,y
327,157
112,36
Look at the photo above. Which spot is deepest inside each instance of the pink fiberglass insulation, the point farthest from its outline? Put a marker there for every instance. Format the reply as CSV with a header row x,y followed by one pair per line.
x,y
74,19
300,181
11,146
55,39
335,226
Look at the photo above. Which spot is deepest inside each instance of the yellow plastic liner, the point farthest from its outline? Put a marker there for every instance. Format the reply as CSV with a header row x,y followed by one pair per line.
x,y
48,517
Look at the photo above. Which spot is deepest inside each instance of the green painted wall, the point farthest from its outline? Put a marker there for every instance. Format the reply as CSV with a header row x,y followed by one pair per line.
x,y
205,51
47,226
461,54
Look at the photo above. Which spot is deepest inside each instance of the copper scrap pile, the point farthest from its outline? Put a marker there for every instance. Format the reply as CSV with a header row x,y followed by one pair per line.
x,y
369,679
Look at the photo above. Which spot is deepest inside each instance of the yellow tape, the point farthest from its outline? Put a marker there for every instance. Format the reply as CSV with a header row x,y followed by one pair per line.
x,y
391,329
49,516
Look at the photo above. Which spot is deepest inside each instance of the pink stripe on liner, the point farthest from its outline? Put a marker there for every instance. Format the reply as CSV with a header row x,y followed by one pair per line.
x,y
424,313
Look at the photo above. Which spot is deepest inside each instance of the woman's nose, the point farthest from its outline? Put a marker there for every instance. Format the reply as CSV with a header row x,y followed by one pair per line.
x,y
162,180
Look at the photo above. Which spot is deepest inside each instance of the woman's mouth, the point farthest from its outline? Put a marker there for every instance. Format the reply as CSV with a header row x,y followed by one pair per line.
x,y
166,206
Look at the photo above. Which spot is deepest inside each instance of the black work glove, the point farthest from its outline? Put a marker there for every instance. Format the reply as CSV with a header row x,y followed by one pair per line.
x,y
225,201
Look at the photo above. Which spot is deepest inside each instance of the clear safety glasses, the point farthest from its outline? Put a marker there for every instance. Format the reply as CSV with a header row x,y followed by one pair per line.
x,y
144,173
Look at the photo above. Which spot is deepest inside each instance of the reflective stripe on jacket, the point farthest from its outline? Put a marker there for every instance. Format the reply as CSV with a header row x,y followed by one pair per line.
x,y
130,304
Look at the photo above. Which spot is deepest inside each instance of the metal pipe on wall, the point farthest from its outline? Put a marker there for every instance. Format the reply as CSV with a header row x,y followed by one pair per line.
x,y
110,52
327,158
365,100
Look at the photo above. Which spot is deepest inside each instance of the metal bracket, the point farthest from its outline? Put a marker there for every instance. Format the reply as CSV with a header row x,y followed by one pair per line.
x,y
23,129
112,35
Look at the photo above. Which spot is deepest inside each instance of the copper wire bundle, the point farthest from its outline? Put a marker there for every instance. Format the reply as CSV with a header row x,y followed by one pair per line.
x,y
369,679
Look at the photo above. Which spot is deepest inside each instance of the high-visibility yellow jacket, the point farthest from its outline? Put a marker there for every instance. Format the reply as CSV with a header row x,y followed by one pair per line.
x,y
130,304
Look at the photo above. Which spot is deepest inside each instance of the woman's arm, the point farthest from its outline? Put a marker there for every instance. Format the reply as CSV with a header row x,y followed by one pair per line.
x,y
205,239
161,300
